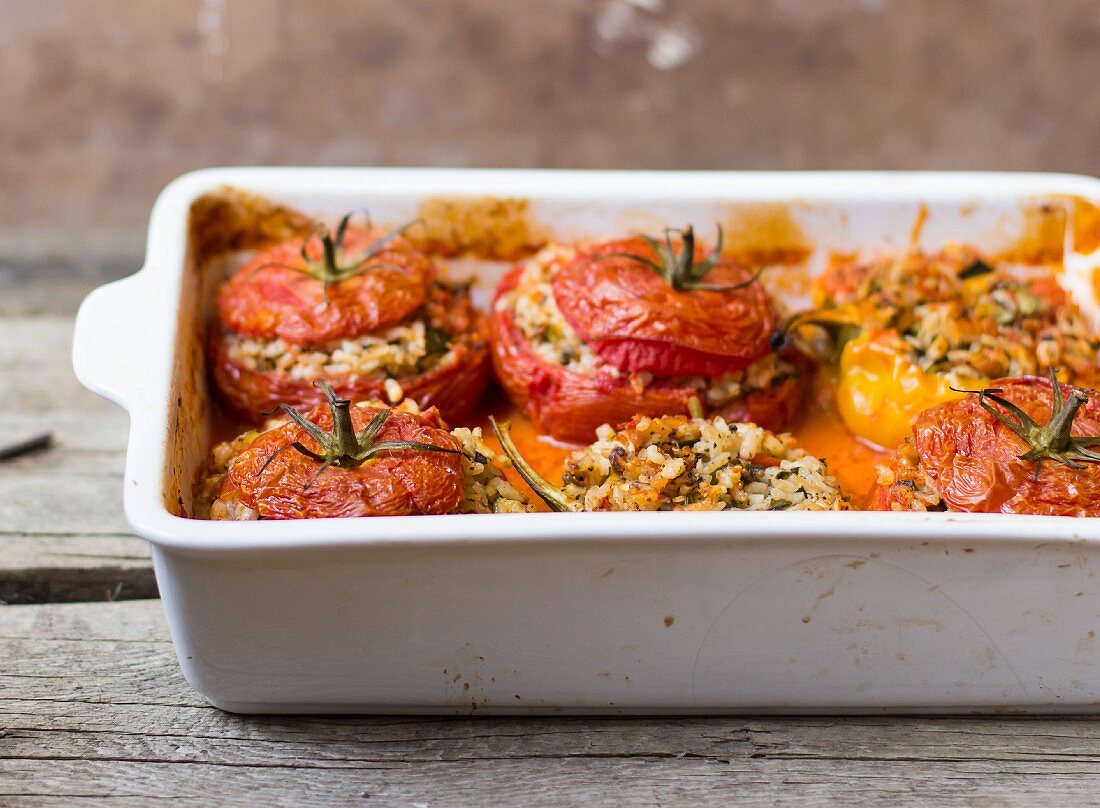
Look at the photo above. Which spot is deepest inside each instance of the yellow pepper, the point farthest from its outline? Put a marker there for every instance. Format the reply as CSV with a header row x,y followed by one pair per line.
x,y
880,391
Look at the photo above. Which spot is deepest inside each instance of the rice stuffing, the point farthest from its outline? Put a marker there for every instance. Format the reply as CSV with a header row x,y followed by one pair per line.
x,y
911,490
485,489
697,464
398,352
955,314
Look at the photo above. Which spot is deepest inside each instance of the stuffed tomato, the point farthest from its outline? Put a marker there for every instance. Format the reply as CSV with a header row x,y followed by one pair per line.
x,y
590,334
914,329
360,309
341,459
1022,445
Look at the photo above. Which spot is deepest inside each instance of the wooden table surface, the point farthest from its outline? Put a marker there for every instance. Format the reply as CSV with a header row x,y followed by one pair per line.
x,y
116,98
93,705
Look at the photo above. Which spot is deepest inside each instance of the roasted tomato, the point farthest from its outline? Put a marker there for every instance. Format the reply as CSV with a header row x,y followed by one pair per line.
x,y
345,460
678,463
623,300
360,309
917,326
1022,445
594,334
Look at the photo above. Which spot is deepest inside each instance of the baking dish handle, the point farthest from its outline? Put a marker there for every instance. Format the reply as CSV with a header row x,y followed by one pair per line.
x,y
113,340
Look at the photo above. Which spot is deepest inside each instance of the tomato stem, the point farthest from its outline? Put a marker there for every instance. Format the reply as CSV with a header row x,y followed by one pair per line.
x,y
840,322
680,269
342,447
1052,441
335,265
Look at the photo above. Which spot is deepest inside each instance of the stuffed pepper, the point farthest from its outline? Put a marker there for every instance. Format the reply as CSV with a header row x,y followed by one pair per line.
x,y
1022,445
347,460
911,331
596,333
358,308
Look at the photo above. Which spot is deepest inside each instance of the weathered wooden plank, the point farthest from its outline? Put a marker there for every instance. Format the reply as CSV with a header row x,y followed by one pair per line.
x,y
706,83
74,486
62,533
71,568
93,705
49,503
95,430
576,780
36,367
36,284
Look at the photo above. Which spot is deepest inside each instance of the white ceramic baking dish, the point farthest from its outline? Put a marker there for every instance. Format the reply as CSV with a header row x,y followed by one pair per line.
x,y
604,613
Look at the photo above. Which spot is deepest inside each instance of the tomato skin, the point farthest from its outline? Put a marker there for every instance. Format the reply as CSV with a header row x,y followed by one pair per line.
x,y
265,301
569,406
972,460
401,483
635,321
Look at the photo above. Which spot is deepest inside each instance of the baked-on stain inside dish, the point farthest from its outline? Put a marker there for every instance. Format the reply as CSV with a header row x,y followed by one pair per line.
x,y
478,226
761,233
232,219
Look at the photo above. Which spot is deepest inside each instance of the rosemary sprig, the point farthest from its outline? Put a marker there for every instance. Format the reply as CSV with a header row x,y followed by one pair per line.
x,y
1052,441
335,265
549,494
680,269
342,447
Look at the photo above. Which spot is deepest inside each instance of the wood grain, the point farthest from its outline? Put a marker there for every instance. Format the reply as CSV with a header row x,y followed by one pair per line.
x,y
62,533
93,705
115,98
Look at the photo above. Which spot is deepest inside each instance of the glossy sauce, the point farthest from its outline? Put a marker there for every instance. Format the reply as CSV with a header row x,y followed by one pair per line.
x,y
818,430
821,433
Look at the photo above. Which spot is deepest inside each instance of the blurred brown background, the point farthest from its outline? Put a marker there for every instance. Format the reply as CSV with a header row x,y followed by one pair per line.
x,y
104,102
